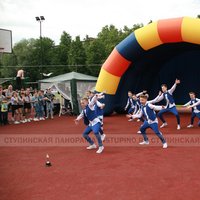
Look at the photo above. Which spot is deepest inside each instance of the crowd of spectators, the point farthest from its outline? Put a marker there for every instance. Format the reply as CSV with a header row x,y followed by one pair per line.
x,y
25,105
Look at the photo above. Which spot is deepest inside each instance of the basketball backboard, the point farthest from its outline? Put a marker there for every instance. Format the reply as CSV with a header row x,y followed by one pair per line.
x,y
5,41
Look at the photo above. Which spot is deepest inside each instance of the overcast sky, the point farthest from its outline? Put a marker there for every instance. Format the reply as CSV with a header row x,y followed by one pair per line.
x,y
81,17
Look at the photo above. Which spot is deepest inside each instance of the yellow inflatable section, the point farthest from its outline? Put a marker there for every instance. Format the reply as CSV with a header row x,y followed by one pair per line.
x,y
148,36
191,30
106,82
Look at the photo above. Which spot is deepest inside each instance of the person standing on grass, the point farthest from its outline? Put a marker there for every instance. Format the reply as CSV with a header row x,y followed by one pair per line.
x,y
151,121
170,106
93,123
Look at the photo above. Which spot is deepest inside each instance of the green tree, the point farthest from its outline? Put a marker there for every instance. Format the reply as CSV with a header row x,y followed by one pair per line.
x,y
8,60
43,51
23,51
95,55
109,36
20,56
34,54
61,54
77,55
43,55
127,31
65,43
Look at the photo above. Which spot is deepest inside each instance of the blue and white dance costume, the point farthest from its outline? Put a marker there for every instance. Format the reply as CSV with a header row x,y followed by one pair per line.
x,y
99,110
129,105
99,113
132,105
139,106
170,104
151,121
195,105
91,120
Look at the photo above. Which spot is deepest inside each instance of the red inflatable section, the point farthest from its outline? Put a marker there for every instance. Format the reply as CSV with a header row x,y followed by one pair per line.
x,y
169,30
116,64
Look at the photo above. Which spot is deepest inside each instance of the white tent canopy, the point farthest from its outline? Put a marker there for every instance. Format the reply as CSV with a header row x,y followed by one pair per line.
x,y
55,86
68,77
71,86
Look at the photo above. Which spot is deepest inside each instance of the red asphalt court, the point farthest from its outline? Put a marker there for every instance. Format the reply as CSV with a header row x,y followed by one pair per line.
x,y
124,171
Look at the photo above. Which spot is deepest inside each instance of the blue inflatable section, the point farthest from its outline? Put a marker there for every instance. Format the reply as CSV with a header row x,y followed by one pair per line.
x,y
130,49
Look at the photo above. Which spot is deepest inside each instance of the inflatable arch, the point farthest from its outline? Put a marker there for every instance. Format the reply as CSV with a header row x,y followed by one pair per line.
x,y
175,30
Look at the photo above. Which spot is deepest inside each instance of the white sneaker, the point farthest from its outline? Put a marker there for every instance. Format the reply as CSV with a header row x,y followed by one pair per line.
x,y
163,125
190,126
22,121
35,119
130,120
165,145
93,146
138,120
178,127
16,122
42,118
139,132
103,137
28,120
100,150
25,120
144,143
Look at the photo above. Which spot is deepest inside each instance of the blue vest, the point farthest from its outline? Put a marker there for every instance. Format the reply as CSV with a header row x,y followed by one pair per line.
x,y
170,97
193,101
85,119
90,114
130,100
149,114
138,104
134,102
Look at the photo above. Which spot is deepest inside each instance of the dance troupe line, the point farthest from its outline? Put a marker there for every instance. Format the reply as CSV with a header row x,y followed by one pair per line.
x,y
138,107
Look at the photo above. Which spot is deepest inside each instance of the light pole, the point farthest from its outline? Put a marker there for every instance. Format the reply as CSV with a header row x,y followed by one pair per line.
x,y
40,20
